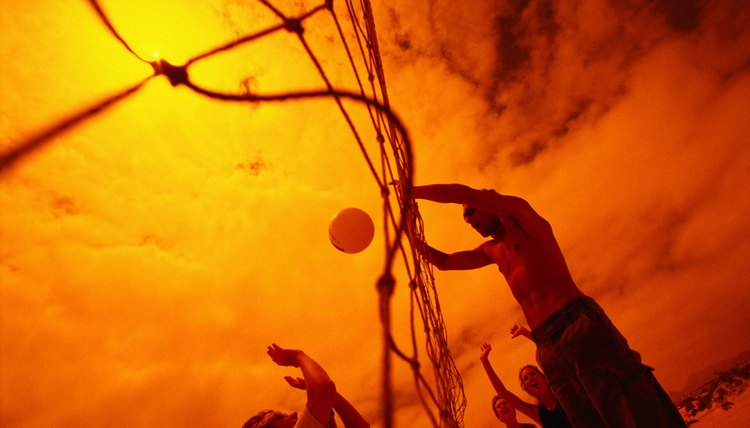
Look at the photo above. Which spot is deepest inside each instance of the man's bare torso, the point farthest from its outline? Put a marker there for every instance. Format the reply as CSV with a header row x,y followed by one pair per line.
x,y
532,263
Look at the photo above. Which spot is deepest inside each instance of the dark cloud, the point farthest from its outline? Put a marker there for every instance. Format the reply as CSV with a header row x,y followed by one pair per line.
x,y
65,205
520,30
682,15
252,167
160,247
526,155
553,71
399,35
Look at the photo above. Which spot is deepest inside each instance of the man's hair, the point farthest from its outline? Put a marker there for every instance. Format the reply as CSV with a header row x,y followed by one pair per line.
x,y
469,211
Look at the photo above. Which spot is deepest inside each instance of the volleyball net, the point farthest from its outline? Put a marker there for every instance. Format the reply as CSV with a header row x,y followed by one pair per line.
x,y
441,394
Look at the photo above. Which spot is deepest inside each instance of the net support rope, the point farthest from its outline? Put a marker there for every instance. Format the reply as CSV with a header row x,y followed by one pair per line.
x,y
442,399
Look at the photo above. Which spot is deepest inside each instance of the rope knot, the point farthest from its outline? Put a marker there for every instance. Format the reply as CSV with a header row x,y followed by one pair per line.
x,y
386,283
176,75
294,25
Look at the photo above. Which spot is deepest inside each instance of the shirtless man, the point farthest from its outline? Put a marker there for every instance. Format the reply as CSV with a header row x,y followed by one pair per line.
x,y
597,379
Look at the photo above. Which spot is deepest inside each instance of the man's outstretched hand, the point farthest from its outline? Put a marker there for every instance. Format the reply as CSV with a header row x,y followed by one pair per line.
x,y
519,330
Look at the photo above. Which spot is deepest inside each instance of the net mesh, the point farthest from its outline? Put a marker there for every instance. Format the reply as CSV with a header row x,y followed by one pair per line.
x,y
443,397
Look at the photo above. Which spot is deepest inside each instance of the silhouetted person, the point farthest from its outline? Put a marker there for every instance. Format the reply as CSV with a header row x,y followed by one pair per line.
x,y
597,379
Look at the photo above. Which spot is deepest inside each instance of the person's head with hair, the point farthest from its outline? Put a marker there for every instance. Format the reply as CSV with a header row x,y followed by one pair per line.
x,y
271,419
503,410
496,406
533,380
485,223
506,413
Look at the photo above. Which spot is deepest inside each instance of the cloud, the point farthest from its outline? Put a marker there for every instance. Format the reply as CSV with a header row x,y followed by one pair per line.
x,y
627,144
148,256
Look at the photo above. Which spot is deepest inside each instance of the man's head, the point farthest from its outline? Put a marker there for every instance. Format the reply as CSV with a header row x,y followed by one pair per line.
x,y
503,410
532,380
485,223
271,419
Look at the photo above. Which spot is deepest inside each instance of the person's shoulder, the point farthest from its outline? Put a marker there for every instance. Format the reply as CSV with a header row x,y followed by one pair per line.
x,y
489,193
489,246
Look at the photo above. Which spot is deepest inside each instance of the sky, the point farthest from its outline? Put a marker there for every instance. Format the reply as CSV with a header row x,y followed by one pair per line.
x,y
149,254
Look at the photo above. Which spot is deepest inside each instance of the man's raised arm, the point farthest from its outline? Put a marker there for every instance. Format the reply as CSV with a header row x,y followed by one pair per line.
x,y
321,391
461,260
484,200
444,193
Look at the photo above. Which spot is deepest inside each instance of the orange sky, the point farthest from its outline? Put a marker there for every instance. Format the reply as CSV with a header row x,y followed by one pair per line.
x,y
149,255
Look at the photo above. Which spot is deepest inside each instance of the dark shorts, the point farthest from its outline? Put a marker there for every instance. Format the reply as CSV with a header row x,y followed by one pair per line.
x,y
597,379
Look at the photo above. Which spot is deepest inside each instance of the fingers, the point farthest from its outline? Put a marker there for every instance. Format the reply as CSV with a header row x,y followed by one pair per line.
x,y
278,354
284,357
274,349
296,382
484,356
516,331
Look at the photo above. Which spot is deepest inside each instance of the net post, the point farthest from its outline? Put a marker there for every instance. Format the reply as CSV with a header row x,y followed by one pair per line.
x,y
385,286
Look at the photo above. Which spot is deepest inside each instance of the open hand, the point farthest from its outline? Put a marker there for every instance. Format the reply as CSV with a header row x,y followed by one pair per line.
x,y
296,382
519,330
486,348
284,357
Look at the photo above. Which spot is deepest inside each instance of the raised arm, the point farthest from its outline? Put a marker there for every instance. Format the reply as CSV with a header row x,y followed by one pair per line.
x,y
461,260
321,391
444,193
485,200
349,415
528,409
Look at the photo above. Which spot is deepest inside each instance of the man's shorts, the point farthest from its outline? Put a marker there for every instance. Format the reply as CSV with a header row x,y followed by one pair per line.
x,y
595,376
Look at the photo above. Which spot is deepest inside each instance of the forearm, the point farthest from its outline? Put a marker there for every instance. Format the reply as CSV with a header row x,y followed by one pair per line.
x,y
435,257
497,384
461,260
321,391
348,413
313,372
443,193
485,200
